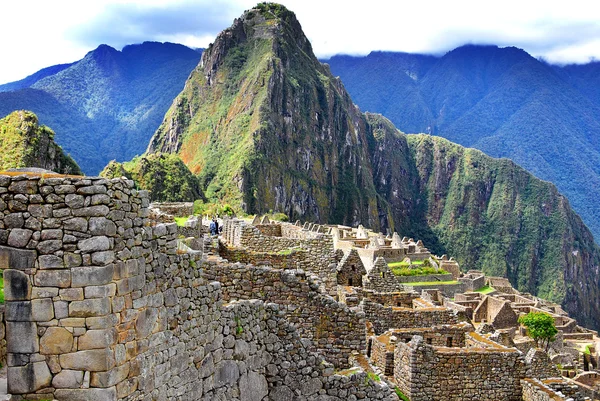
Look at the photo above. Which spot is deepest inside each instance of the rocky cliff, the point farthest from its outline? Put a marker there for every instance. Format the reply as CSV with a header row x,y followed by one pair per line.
x,y
24,143
267,127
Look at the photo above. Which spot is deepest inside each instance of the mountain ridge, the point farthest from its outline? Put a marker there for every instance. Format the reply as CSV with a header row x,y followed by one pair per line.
x,y
267,127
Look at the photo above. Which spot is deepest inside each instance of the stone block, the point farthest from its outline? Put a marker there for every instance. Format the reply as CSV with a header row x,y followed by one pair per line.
x,y
227,373
92,190
56,341
101,291
61,309
76,224
94,360
42,310
18,311
102,322
93,339
40,210
53,278
94,244
103,258
92,275
74,201
92,211
28,187
22,338
50,262
14,220
68,379
253,387
43,292
64,189
145,322
110,378
72,322
28,378
49,246
19,237
87,394
20,259
102,226
53,233
89,307
17,286
71,294
72,259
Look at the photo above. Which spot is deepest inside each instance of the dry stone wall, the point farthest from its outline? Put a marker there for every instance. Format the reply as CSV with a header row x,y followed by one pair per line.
x,y
426,373
385,317
100,305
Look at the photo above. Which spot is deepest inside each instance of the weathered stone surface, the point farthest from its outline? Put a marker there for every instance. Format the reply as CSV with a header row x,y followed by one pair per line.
x,y
49,246
100,291
17,286
55,341
253,387
43,292
76,224
68,379
92,394
93,339
310,386
92,275
50,262
21,337
64,189
74,201
95,360
20,259
91,190
19,237
14,220
40,210
53,278
23,187
18,311
103,258
72,259
53,233
94,244
89,307
145,322
42,310
92,211
110,378
227,373
28,378
102,226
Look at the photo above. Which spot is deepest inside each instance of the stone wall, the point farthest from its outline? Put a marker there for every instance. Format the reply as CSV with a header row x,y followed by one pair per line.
x,y
448,290
176,209
2,337
423,372
100,305
534,390
399,299
384,318
426,278
335,329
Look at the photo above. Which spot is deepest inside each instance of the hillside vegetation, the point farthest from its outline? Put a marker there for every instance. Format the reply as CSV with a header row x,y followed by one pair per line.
x,y
499,100
265,126
107,105
25,143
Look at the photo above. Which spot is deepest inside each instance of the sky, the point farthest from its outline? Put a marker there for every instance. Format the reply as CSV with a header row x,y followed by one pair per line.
x,y
39,33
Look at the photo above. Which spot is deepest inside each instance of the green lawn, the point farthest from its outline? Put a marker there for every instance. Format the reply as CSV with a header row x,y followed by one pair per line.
x,y
416,271
485,290
1,289
418,283
405,264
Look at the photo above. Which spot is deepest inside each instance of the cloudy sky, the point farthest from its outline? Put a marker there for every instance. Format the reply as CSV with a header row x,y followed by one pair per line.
x,y
39,33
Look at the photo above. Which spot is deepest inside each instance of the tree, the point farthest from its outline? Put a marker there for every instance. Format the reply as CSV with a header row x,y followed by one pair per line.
x,y
540,327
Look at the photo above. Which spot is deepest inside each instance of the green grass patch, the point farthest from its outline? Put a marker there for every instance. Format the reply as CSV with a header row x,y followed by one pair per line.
x,y
289,251
587,349
406,264
417,271
181,221
418,283
1,288
401,395
373,376
485,289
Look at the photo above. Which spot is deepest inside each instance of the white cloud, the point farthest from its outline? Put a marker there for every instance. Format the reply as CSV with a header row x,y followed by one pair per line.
x,y
37,34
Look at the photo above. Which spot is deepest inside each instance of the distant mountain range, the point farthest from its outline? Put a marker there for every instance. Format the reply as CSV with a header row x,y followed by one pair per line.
x,y
499,100
107,105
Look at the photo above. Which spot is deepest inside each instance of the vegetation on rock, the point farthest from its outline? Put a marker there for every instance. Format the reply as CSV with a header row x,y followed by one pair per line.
x,y
164,175
25,143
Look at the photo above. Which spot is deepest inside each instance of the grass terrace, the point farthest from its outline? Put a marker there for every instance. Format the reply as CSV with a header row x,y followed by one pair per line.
x,y
423,268
181,221
434,283
485,289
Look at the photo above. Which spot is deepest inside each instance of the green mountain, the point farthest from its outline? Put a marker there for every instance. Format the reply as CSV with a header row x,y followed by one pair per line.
x,y
107,105
265,126
499,100
164,175
25,143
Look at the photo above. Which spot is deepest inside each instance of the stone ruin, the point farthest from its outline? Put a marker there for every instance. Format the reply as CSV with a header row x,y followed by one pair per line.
x,y
105,302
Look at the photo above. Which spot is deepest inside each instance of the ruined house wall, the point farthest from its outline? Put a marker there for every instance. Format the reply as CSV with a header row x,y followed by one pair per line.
x,y
335,329
384,318
399,299
534,390
382,356
272,230
176,209
456,374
